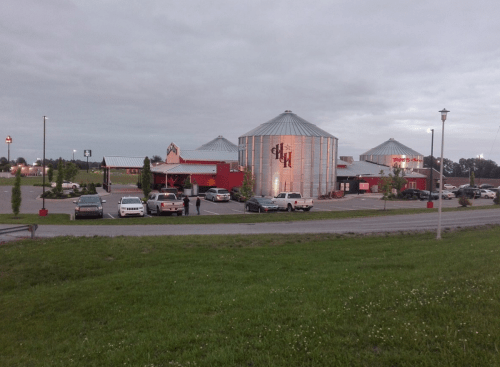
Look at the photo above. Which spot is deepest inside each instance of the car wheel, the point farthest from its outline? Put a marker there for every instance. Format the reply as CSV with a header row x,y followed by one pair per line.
x,y
74,187
307,209
260,210
179,214
119,215
147,210
158,213
289,208
247,208
213,199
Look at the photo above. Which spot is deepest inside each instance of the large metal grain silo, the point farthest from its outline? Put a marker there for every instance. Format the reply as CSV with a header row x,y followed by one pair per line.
x,y
288,153
391,153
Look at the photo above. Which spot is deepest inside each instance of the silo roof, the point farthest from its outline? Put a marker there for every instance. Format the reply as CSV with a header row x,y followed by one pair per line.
x,y
391,147
219,144
288,123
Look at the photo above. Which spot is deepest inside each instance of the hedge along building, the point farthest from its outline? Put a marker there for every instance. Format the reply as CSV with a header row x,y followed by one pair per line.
x,y
391,153
288,153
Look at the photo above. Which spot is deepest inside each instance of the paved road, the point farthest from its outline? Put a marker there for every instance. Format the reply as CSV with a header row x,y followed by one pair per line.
x,y
414,222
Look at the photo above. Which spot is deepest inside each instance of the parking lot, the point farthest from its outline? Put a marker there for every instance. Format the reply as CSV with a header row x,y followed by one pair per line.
x,y
31,203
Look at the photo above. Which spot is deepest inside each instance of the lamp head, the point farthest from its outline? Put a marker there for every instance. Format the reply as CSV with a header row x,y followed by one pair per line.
x,y
443,114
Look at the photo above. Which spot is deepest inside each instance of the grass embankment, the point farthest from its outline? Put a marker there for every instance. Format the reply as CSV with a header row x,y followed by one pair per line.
x,y
117,177
64,219
311,300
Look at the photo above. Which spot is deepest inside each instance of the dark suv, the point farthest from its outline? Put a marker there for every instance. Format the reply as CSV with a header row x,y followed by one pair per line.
x,y
469,192
412,194
89,206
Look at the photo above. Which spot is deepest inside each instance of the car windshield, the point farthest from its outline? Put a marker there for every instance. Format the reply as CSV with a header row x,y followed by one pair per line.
x,y
90,199
166,197
223,191
131,201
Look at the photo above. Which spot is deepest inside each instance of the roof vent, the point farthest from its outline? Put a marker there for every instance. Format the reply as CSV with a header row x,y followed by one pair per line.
x,y
288,111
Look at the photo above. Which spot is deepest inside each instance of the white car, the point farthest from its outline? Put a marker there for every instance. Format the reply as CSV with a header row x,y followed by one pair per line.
x,y
217,194
448,195
449,187
130,206
67,185
487,194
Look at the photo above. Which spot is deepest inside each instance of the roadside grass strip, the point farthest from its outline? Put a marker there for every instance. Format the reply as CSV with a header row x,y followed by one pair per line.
x,y
263,300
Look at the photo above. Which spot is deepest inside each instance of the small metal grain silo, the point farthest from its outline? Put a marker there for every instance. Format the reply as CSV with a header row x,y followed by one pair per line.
x,y
288,153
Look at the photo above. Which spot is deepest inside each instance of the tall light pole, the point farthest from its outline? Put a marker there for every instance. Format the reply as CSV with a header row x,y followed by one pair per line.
x,y
8,140
430,205
43,211
443,118
74,151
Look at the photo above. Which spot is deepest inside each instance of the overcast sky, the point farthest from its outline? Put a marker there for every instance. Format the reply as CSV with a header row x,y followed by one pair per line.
x,y
127,77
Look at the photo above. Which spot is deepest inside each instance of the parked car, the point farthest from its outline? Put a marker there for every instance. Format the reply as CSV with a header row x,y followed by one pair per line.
x,y
424,195
447,195
217,194
89,206
67,185
236,194
486,186
449,187
171,190
291,201
469,192
130,206
411,193
159,203
260,204
487,194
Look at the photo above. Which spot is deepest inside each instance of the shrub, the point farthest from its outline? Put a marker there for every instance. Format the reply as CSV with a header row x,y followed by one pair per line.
x,y
464,201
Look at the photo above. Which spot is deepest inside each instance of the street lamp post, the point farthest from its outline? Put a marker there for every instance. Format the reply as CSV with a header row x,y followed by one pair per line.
x,y
430,205
43,211
443,119
8,140
74,151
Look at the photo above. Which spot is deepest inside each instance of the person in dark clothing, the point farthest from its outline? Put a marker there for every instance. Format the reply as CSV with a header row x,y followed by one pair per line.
x,y
186,205
198,203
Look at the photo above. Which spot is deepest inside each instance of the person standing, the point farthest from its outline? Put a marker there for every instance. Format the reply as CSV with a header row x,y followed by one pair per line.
x,y
186,205
198,203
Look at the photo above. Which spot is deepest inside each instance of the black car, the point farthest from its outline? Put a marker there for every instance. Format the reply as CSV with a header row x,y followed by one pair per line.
x,y
261,205
236,194
468,192
89,206
412,194
424,195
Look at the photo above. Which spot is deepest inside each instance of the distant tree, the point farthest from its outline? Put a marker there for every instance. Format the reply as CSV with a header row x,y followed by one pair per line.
x,y
21,160
385,183
156,159
398,181
50,172
16,194
248,183
58,190
3,161
146,177
70,171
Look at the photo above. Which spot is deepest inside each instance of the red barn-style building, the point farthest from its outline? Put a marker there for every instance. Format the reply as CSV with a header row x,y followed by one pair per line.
x,y
214,164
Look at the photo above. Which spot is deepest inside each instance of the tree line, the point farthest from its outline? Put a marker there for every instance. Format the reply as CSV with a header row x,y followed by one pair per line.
x,y
482,168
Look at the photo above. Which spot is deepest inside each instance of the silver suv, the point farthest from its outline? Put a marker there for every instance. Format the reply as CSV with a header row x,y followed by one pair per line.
x,y
217,194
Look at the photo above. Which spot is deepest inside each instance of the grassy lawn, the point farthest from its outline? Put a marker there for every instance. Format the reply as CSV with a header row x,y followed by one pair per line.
x,y
311,300
117,177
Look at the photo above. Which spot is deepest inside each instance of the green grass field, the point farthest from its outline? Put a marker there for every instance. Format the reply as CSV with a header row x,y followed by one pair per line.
x,y
311,300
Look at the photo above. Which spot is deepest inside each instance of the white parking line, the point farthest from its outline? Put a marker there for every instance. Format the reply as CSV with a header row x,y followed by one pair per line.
x,y
111,216
211,212
239,211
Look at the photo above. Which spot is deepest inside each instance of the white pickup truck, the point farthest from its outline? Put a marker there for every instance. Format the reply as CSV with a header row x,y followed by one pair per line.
x,y
159,203
293,200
